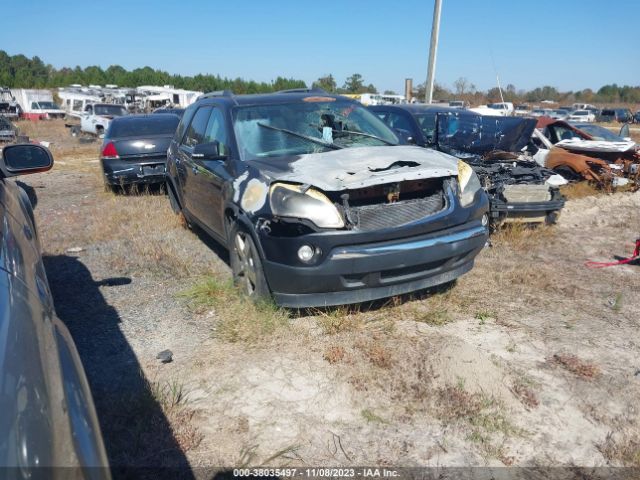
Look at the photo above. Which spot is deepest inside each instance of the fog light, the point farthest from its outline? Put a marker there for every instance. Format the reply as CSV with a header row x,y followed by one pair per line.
x,y
485,220
306,253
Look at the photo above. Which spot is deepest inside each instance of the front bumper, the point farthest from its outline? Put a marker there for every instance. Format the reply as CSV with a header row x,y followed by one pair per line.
x,y
365,272
129,172
529,212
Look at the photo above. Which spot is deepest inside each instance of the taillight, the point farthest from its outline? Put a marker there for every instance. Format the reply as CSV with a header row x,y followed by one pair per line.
x,y
109,151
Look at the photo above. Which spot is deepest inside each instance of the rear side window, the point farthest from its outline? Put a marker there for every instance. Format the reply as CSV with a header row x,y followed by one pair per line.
x,y
196,131
140,127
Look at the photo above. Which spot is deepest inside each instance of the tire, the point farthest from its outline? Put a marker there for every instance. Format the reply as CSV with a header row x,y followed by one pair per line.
x,y
246,266
75,131
173,201
177,209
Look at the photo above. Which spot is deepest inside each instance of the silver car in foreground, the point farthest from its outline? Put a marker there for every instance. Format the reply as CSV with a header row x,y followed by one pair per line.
x,y
47,416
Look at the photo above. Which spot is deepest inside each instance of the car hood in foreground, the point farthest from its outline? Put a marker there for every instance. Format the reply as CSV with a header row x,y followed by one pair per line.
x,y
351,168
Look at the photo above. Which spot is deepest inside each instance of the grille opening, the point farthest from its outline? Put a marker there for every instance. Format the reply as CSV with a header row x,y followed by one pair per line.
x,y
371,209
377,194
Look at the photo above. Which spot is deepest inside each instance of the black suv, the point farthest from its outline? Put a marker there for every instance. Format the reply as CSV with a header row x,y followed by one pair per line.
x,y
316,201
621,115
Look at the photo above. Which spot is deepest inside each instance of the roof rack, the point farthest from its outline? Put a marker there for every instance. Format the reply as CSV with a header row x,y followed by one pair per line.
x,y
304,90
217,93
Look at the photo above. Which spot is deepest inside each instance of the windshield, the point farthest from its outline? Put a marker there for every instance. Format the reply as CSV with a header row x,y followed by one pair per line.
x,y
110,110
580,113
600,133
316,124
47,106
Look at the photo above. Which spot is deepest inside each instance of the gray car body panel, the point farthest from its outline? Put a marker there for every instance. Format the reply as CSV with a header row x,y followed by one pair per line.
x,y
47,417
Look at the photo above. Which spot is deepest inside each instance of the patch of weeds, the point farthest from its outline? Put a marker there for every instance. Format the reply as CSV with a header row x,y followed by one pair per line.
x,y
511,347
481,414
575,365
168,394
434,316
335,354
616,302
150,425
371,417
239,319
208,292
341,319
624,451
483,316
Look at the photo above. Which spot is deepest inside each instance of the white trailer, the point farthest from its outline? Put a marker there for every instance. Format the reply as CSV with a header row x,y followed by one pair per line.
x,y
36,104
167,94
74,102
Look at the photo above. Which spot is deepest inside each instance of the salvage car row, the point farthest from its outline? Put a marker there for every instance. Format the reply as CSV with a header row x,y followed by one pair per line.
x,y
322,201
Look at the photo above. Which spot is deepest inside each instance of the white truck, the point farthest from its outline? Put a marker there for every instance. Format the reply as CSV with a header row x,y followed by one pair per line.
x,y
96,118
36,104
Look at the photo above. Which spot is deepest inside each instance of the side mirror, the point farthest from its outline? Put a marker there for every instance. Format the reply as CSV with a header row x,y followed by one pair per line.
x,y
624,132
210,151
25,158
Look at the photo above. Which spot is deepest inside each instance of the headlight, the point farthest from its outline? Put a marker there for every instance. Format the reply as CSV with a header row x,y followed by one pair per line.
x,y
289,201
469,183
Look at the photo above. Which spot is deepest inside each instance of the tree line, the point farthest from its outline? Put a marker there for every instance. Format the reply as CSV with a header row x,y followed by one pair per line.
x,y
19,71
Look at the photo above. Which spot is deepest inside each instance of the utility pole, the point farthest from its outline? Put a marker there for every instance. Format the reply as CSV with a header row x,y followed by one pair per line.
x,y
433,51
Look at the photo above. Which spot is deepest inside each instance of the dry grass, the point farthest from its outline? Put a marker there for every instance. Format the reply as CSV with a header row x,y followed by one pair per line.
x,y
526,395
575,365
623,450
69,152
335,354
579,190
375,353
340,319
138,424
238,319
520,237
487,426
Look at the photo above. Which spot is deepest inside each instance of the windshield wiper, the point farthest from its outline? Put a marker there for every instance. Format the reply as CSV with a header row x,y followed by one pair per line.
x,y
362,134
301,135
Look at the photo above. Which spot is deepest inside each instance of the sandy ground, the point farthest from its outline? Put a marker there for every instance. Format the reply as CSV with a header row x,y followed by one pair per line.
x,y
531,359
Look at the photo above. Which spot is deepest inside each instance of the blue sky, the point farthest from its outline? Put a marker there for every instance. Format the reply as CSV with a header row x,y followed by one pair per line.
x,y
569,44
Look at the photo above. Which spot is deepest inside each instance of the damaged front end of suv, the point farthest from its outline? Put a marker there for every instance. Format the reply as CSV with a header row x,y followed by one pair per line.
x,y
519,189
319,206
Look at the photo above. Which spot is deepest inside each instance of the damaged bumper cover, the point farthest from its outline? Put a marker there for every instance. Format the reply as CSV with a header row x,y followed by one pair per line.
x,y
363,266
128,172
